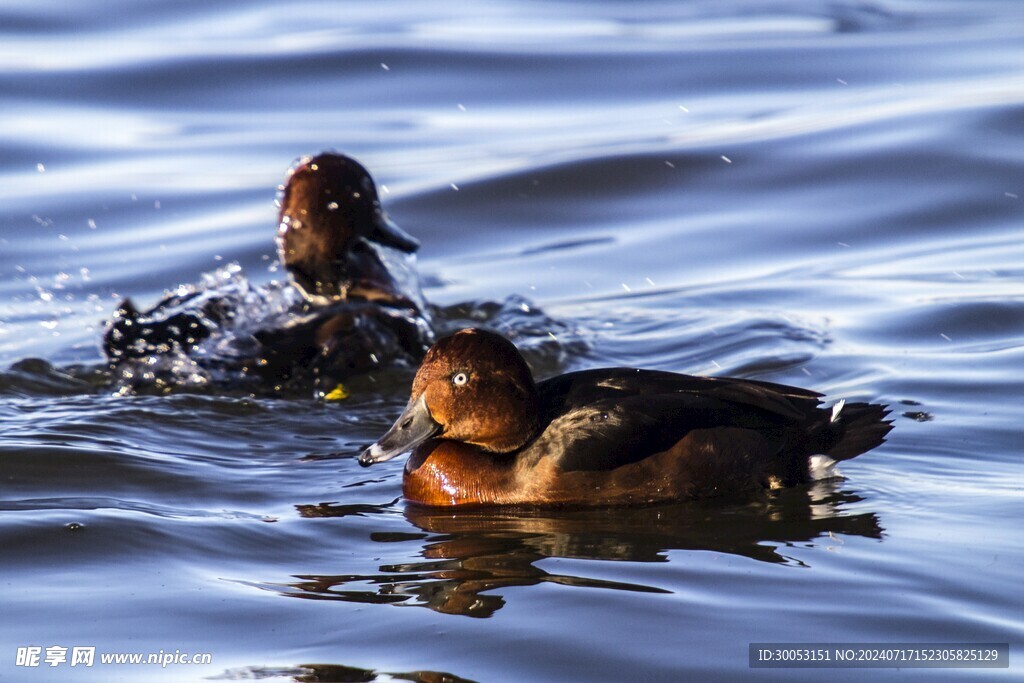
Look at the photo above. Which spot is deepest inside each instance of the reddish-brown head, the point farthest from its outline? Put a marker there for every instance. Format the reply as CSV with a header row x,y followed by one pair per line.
x,y
329,213
473,387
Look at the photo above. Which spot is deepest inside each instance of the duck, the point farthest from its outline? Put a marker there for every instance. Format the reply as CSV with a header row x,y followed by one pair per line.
x,y
483,432
358,299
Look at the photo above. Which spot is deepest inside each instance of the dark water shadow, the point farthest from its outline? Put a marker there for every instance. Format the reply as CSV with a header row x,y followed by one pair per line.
x,y
469,555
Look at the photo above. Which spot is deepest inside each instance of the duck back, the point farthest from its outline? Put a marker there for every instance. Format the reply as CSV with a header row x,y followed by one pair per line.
x,y
606,419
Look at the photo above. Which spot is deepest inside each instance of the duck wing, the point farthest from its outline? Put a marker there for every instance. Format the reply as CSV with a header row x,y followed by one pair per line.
x,y
603,419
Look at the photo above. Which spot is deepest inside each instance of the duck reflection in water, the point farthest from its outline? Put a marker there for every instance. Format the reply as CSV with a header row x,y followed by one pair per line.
x,y
317,673
469,556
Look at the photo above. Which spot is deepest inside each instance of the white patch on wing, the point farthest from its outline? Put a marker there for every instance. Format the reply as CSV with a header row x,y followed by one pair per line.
x,y
837,408
583,423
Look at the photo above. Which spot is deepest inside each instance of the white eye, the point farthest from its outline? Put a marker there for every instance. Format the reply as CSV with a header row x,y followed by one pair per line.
x,y
460,379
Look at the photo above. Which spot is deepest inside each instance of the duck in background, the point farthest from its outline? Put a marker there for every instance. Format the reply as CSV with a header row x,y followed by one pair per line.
x,y
482,432
353,302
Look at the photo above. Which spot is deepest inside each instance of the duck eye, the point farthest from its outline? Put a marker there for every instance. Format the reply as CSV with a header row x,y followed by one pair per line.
x,y
460,379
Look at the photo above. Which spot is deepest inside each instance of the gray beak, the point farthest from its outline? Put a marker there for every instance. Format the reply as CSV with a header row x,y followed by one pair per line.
x,y
390,235
414,426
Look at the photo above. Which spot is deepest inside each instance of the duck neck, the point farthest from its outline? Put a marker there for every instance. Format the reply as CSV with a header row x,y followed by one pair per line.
x,y
443,472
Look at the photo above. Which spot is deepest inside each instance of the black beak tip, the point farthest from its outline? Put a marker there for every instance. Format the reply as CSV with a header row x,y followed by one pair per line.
x,y
365,460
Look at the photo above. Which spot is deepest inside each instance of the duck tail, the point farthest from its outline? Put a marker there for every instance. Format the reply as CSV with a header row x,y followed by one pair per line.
x,y
855,428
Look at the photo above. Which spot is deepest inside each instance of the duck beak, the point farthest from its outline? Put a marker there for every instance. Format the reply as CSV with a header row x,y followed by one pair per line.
x,y
390,235
414,426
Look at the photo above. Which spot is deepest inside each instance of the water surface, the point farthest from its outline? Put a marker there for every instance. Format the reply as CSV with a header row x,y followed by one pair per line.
x,y
827,194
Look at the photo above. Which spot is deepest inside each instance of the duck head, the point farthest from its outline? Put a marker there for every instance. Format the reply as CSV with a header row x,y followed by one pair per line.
x,y
472,387
331,228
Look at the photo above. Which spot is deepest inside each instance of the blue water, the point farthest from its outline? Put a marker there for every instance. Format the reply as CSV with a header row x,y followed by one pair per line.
x,y
827,194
